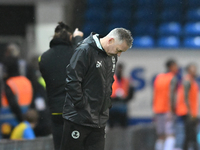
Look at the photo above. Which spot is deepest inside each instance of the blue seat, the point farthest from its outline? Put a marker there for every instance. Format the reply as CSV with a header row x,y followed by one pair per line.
x,y
193,15
192,29
120,15
192,42
142,29
145,15
169,29
113,25
121,4
93,27
172,3
170,15
96,3
145,3
95,14
169,42
194,3
143,42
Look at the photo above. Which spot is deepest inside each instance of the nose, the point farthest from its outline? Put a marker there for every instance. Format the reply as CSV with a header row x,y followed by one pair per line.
x,y
119,54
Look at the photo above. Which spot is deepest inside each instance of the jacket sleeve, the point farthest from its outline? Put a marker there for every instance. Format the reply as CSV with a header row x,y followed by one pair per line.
x,y
173,87
76,40
131,93
76,72
187,86
40,63
14,106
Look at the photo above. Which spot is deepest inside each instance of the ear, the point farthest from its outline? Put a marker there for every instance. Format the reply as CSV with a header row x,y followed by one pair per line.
x,y
111,40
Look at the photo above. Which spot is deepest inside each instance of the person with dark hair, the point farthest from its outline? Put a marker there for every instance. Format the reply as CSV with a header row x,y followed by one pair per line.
x,y
89,87
25,129
187,106
164,94
52,64
171,65
16,96
122,92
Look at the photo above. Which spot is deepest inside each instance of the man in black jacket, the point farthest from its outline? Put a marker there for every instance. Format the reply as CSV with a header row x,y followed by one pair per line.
x,y
52,65
89,87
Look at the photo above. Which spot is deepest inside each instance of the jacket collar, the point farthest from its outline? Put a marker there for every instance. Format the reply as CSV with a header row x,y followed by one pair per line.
x,y
97,41
90,40
58,41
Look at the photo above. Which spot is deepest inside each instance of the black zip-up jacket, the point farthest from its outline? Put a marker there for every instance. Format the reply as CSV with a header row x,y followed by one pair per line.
x,y
52,65
89,85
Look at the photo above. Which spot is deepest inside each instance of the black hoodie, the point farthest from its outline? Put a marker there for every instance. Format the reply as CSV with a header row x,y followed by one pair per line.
x,y
89,85
52,65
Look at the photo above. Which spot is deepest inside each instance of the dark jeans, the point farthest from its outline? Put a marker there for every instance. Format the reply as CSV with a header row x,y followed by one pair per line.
x,y
78,137
57,130
190,133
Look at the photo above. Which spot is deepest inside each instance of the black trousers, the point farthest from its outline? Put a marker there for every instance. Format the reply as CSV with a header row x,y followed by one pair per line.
x,y
77,137
118,118
57,130
190,133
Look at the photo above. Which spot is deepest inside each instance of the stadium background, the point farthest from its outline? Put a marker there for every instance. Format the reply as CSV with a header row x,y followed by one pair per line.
x,y
162,29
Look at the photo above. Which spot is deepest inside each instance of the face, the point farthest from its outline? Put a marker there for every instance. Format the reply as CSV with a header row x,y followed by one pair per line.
x,y
174,68
193,70
114,47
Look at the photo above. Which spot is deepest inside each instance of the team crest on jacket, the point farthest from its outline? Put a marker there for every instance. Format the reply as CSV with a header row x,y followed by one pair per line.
x,y
99,64
113,61
75,134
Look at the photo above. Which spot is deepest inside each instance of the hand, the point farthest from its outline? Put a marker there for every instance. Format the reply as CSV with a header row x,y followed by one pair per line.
x,y
77,33
194,118
191,117
170,116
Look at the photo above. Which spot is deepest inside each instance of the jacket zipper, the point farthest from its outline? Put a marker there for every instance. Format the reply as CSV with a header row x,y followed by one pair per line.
x,y
105,89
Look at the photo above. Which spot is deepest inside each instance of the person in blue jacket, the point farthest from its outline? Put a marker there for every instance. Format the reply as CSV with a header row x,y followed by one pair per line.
x,y
25,129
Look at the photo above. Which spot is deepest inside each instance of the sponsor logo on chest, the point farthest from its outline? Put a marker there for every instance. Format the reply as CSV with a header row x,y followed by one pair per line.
x,y
99,64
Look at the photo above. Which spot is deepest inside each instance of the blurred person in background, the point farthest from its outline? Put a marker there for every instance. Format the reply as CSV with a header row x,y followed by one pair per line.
x,y
165,85
3,47
89,87
25,129
187,106
121,94
13,50
39,102
52,64
16,95
6,128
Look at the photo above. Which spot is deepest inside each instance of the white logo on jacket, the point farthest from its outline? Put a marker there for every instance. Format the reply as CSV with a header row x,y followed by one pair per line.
x,y
113,61
75,134
99,64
